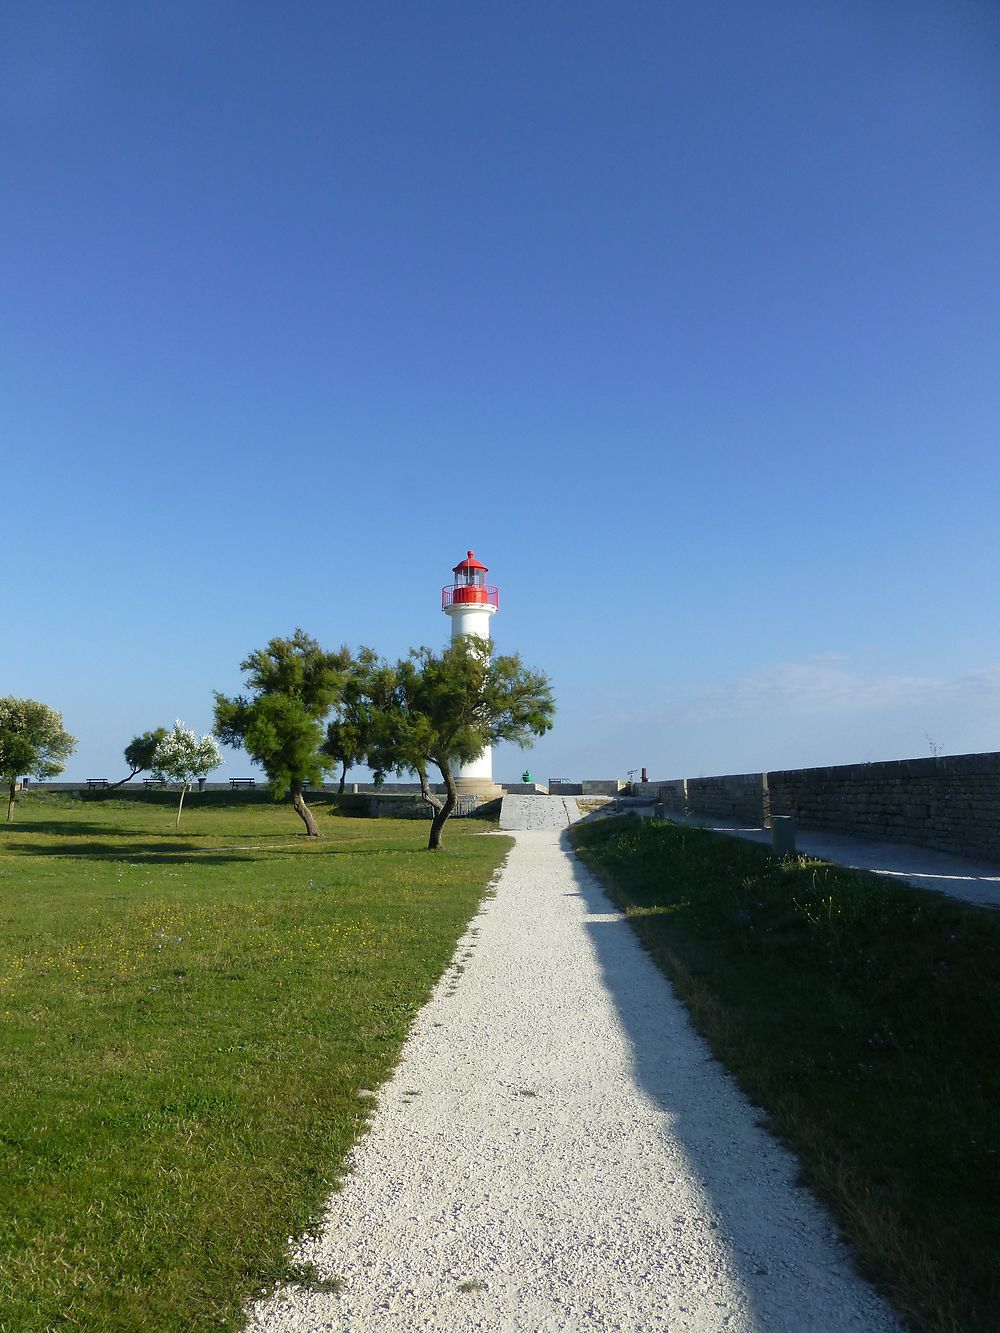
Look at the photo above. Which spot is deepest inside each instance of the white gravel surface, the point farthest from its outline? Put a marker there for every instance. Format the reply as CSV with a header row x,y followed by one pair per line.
x,y
558,1150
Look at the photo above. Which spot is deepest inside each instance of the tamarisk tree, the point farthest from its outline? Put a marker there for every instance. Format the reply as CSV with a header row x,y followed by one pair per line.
x,y
345,746
350,734
181,756
139,753
295,684
33,742
436,710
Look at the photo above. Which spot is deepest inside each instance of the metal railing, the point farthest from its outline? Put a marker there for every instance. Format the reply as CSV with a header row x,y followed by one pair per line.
x,y
469,594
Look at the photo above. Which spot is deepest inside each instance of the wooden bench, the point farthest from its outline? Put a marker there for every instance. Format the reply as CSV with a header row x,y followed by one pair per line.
x,y
153,782
98,782
249,783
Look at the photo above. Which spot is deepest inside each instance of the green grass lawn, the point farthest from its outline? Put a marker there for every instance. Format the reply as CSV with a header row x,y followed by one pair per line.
x,y
188,1018
863,1016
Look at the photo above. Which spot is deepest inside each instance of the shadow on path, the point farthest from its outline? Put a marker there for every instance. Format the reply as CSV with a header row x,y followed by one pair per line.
x,y
783,1247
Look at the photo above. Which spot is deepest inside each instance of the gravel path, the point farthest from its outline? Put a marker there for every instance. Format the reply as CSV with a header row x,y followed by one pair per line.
x,y
558,1151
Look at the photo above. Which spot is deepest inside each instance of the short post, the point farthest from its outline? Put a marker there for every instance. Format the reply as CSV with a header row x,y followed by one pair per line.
x,y
783,835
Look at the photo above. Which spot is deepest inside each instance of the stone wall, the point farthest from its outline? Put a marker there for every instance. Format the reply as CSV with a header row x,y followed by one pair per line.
x,y
389,788
588,787
405,805
400,806
650,789
733,796
600,787
737,796
673,794
135,787
951,803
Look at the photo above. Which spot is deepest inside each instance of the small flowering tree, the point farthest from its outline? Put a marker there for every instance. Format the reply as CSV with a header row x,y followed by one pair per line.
x,y
181,756
32,740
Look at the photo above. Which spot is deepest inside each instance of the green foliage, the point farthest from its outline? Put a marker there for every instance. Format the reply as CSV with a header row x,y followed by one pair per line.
x,y
299,668
343,743
864,1016
443,709
188,1024
295,684
285,738
140,750
349,736
181,756
33,742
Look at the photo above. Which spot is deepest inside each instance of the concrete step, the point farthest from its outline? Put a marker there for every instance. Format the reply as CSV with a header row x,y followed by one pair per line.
x,y
538,812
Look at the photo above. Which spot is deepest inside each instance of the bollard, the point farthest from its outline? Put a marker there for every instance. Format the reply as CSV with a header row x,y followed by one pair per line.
x,y
783,835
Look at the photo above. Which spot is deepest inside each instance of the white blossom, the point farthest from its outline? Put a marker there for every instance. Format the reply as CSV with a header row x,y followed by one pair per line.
x,y
183,756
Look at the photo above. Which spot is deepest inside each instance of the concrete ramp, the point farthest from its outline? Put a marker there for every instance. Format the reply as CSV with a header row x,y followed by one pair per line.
x,y
538,812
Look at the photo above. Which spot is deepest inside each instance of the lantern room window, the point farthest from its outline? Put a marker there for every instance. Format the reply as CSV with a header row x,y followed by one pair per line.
x,y
469,586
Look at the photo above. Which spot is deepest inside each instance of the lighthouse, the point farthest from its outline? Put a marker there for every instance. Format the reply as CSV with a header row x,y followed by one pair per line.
x,y
470,602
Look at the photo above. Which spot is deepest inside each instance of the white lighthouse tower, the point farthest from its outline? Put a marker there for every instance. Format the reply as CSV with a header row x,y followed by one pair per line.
x,y
470,602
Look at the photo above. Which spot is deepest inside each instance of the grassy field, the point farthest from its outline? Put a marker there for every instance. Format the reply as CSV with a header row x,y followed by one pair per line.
x,y
863,1016
188,1018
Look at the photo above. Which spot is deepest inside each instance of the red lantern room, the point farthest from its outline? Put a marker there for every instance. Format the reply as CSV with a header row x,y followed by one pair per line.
x,y
470,586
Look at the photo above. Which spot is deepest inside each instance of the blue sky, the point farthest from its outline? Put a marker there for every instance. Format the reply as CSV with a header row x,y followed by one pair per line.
x,y
686,317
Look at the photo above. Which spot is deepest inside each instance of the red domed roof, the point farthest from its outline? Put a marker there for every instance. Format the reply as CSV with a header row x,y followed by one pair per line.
x,y
470,562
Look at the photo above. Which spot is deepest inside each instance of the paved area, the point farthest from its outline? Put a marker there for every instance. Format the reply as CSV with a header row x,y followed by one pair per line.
x,y
973,881
537,812
557,1150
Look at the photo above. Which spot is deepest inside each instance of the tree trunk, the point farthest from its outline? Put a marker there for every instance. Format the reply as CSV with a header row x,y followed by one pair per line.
x,y
343,779
121,782
444,809
303,811
180,805
435,802
10,799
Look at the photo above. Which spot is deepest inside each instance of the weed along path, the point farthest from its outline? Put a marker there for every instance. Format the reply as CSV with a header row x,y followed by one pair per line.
x,y
557,1150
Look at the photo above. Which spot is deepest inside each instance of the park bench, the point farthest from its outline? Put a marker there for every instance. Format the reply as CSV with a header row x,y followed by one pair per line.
x,y
98,782
152,782
249,783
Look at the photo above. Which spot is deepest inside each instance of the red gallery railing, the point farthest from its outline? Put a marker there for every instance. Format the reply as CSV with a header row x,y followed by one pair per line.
x,y
469,594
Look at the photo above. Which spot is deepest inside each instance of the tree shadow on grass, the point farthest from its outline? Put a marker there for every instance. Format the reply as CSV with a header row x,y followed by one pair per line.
x,y
186,852
748,1180
71,828
173,853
